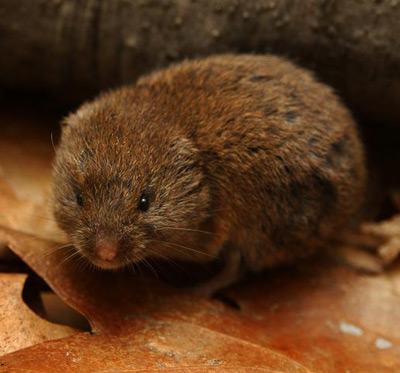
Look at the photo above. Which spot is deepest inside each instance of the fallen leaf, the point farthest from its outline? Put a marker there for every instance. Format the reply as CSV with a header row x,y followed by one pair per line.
x,y
290,319
19,326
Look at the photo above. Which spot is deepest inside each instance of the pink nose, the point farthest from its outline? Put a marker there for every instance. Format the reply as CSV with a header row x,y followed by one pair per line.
x,y
106,250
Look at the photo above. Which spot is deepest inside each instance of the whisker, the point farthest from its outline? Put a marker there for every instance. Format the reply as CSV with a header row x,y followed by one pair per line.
x,y
187,248
140,269
148,265
90,266
84,264
35,216
210,212
155,255
186,254
185,229
67,246
45,236
52,142
68,258
168,260
131,265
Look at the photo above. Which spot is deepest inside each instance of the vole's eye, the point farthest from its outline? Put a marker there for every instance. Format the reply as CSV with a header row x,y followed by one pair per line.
x,y
144,202
79,199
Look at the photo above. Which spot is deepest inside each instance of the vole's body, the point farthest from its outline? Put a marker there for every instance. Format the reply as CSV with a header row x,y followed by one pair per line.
x,y
242,156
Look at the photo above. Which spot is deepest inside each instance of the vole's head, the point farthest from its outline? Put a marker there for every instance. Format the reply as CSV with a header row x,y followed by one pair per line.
x,y
125,186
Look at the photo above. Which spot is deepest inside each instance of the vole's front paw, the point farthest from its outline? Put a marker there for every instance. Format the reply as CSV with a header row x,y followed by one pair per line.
x,y
372,247
388,232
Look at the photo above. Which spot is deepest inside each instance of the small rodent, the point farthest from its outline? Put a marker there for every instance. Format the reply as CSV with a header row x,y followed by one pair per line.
x,y
243,157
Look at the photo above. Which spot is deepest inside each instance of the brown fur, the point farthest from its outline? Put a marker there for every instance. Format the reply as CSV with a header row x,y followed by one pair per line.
x,y
245,156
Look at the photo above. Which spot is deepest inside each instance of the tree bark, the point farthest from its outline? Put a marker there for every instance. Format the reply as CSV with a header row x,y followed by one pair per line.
x,y
74,48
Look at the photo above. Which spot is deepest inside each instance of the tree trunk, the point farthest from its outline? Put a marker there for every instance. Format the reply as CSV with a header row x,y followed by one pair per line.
x,y
74,48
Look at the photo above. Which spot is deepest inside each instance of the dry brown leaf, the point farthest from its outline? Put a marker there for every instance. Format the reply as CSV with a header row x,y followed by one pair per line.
x,y
26,216
19,326
317,316
138,323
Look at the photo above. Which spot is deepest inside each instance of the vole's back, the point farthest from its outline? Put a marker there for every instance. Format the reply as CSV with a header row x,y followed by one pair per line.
x,y
280,151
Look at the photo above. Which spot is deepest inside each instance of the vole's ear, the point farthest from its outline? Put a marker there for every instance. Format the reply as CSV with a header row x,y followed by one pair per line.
x,y
64,123
74,118
184,150
69,121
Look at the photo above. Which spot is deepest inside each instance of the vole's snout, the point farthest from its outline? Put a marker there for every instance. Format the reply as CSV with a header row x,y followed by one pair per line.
x,y
106,249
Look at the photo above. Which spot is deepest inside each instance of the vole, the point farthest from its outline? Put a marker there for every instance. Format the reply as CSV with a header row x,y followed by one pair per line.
x,y
243,157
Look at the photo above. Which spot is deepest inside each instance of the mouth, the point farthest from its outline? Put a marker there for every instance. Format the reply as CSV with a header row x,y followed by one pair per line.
x,y
116,263
108,265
